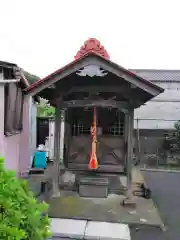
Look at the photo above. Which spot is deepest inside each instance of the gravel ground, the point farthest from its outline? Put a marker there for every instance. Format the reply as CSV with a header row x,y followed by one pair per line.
x,y
165,188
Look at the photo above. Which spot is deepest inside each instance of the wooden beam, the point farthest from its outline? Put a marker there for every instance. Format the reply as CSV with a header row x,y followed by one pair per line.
x,y
123,105
95,89
98,103
126,92
59,94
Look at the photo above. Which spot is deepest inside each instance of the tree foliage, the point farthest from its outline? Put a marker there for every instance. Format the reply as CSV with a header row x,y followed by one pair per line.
x,y
45,110
21,217
177,136
30,77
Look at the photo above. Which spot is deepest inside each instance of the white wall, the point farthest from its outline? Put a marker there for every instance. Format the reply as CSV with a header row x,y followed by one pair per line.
x,y
32,130
51,139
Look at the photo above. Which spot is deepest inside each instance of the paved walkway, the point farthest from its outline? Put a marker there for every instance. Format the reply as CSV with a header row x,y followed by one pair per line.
x,y
166,194
89,230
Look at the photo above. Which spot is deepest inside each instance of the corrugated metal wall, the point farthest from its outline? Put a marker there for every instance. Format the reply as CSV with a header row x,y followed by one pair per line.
x,y
162,111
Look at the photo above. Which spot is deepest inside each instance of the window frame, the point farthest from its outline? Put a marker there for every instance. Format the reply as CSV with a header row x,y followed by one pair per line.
x,y
13,100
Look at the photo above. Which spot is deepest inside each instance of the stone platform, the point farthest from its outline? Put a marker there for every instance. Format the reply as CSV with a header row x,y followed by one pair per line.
x,y
70,205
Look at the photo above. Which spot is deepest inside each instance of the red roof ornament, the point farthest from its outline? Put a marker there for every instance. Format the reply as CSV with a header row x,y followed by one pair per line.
x,y
92,45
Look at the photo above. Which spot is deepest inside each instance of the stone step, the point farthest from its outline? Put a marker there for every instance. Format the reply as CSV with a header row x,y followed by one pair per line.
x,y
99,186
93,187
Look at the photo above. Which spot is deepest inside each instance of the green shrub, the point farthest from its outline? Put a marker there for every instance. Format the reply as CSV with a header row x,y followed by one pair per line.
x,y
21,216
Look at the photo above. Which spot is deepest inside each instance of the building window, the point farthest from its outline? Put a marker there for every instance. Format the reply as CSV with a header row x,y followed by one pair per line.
x,y
13,109
1,73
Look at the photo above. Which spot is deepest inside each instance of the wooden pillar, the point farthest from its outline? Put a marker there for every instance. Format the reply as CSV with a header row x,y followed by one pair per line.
x,y
130,148
129,156
138,146
56,164
126,127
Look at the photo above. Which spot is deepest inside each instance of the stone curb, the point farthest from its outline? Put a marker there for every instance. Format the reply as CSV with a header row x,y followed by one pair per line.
x,y
68,228
89,230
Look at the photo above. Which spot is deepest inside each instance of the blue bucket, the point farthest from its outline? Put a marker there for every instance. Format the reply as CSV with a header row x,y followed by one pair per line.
x,y
40,160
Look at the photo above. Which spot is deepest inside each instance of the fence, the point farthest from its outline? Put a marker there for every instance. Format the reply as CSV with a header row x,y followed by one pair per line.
x,y
150,151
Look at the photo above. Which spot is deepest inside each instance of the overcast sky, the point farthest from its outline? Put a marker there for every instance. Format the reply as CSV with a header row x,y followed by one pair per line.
x,y
43,35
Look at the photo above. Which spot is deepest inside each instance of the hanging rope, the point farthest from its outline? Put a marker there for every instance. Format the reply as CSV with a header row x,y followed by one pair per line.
x,y
93,163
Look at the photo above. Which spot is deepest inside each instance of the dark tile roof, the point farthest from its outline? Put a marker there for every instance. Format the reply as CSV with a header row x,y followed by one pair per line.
x,y
7,64
158,75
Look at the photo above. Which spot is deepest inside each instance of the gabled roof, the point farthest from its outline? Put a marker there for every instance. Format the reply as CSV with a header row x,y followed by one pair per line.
x,y
93,48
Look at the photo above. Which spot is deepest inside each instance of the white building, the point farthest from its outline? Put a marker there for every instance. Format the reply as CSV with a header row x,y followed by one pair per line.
x,y
164,110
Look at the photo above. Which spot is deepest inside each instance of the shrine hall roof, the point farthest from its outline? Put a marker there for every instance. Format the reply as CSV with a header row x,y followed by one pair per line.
x,y
93,47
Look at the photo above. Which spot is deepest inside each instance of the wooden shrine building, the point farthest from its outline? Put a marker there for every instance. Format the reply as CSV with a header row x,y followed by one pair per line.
x,y
90,84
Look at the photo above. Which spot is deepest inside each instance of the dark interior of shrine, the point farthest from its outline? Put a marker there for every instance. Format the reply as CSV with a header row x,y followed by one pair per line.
x,y
110,121
110,138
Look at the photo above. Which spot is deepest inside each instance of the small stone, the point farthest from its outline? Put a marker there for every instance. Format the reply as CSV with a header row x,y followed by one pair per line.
x,y
143,220
56,195
128,202
133,212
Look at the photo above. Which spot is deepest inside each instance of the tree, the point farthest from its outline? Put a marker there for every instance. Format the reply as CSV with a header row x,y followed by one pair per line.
x,y
44,109
21,216
172,140
177,135
30,77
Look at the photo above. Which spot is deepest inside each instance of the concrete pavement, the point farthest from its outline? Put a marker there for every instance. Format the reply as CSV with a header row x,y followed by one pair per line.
x,y
166,195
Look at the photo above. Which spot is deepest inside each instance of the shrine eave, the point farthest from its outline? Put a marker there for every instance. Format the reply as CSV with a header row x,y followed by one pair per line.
x,y
94,54
80,59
